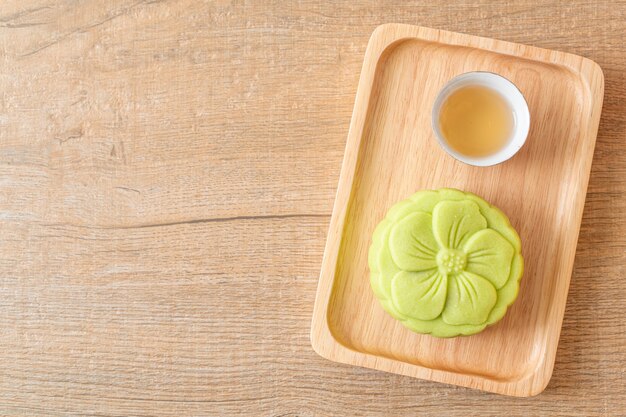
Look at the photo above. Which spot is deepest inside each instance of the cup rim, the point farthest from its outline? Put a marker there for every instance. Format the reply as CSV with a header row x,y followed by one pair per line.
x,y
514,97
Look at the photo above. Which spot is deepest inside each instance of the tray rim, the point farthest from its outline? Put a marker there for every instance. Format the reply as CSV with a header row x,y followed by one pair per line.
x,y
322,339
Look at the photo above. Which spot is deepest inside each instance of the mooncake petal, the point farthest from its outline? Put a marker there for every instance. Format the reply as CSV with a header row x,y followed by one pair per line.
x,y
470,299
411,243
489,255
455,221
419,295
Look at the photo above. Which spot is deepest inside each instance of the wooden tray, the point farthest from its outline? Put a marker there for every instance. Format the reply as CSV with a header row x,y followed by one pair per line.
x,y
391,153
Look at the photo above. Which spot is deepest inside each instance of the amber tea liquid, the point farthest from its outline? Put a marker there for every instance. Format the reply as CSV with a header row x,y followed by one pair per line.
x,y
476,121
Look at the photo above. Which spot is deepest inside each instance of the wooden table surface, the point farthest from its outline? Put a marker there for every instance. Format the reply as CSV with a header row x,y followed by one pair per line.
x,y
167,172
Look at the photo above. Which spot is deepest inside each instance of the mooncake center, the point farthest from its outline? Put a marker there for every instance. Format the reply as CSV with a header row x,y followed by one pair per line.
x,y
451,261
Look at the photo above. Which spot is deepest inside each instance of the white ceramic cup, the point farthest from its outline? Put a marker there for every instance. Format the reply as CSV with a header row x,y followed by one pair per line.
x,y
515,100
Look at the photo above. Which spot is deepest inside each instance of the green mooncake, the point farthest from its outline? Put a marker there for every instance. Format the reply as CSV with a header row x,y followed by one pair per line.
x,y
445,263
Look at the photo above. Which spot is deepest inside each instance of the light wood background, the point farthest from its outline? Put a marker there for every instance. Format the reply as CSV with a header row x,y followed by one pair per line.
x,y
167,172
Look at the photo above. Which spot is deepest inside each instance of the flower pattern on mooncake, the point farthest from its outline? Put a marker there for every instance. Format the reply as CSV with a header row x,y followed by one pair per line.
x,y
445,263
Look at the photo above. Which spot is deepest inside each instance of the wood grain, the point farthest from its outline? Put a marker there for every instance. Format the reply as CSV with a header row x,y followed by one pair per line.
x,y
392,152
167,173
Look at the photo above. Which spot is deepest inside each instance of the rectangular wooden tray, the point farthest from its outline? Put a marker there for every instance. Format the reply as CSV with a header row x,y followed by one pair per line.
x,y
391,153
